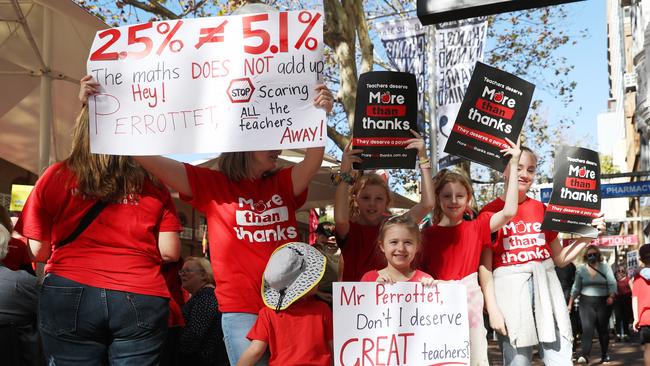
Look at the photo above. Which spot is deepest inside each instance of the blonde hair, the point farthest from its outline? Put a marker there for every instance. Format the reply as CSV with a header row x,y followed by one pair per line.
x,y
4,242
369,179
440,180
104,177
205,266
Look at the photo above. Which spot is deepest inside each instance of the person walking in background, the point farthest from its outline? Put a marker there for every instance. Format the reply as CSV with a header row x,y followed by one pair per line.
x,y
641,301
201,341
596,286
623,304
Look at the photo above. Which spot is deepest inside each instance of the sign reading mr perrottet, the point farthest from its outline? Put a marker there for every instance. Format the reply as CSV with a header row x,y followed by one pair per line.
x,y
495,107
386,111
575,200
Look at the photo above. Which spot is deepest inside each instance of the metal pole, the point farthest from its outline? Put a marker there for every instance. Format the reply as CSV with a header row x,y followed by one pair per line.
x,y
433,130
45,122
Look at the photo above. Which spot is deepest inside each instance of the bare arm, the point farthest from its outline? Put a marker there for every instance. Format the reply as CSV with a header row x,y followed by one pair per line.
x,y
563,256
497,322
39,251
341,196
169,245
635,311
252,354
169,171
512,194
427,198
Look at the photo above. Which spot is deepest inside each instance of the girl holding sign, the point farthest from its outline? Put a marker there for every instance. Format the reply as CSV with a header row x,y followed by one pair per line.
x,y
250,206
522,292
452,246
399,240
360,211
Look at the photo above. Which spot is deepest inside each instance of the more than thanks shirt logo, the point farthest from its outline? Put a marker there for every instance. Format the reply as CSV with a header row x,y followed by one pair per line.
x,y
273,213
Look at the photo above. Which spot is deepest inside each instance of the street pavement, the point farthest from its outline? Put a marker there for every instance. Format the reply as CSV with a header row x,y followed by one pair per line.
x,y
621,353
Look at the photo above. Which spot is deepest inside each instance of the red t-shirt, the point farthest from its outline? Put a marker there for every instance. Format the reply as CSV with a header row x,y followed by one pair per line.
x,y
299,335
360,251
17,254
175,287
371,276
454,252
641,290
118,250
521,240
247,221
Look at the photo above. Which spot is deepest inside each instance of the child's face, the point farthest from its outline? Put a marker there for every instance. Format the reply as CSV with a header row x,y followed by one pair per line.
x,y
525,171
399,246
372,202
453,200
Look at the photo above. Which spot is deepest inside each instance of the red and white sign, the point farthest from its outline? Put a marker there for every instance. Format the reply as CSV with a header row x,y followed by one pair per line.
x,y
232,83
400,324
609,241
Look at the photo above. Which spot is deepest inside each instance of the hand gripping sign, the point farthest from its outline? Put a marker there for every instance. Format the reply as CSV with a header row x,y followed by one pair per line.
x,y
232,83
400,324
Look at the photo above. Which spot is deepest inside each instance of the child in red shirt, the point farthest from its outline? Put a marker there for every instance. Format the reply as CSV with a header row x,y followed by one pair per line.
x,y
399,240
641,301
290,283
452,246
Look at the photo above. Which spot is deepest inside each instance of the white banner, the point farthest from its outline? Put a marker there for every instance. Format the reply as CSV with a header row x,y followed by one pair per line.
x,y
235,83
458,47
400,324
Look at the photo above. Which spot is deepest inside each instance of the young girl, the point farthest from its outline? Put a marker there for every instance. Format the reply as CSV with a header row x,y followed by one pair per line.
x,y
359,216
452,246
399,240
521,258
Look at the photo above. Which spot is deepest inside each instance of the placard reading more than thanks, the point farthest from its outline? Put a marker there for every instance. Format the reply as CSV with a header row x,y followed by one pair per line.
x,y
400,324
495,107
386,110
575,200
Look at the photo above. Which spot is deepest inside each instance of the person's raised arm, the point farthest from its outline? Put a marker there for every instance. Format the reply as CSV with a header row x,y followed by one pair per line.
x,y
341,196
486,280
562,256
512,194
427,198
304,171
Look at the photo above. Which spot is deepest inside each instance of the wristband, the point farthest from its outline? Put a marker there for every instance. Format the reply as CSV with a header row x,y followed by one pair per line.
x,y
425,166
339,177
423,161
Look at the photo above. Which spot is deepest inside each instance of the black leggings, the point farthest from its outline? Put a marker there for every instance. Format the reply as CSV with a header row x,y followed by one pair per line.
x,y
594,313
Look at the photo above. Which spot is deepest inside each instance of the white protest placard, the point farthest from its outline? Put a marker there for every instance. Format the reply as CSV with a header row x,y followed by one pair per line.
x,y
234,83
400,324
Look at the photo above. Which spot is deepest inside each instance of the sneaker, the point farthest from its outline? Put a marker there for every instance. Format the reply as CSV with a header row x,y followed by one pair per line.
x,y
605,359
582,360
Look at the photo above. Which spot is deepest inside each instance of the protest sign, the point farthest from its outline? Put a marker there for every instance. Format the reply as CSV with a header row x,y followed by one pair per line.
x,y
235,83
494,107
400,324
386,111
405,42
19,194
458,46
575,200
632,259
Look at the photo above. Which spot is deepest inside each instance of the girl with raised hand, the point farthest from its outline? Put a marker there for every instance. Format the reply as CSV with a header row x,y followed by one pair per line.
x,y
360,211
452,246
523,295
238,198
399,240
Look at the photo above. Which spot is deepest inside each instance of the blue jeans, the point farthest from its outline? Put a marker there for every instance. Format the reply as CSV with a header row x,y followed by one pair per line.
x,y
85,325
235,329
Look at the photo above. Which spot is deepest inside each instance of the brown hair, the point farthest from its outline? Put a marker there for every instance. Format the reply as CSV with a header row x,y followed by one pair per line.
x,y
104,177
592,247
440,180
528,150
237,165
369,179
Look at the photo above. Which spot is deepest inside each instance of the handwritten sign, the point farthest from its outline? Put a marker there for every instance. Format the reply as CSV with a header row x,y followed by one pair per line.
x,y
400,324
235,83
575,200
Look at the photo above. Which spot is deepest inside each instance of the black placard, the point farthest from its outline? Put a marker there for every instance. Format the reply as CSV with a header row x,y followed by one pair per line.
x,y
575,200
386,110
494,107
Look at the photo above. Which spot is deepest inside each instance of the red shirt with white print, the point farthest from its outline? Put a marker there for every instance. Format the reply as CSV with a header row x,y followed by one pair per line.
x,y
361,251
247,221
118,250
521,240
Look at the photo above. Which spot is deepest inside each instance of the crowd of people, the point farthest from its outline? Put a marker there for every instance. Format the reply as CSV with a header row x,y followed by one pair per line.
x,y
116,291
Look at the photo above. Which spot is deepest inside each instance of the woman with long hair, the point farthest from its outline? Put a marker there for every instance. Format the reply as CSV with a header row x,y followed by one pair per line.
x,y
104,227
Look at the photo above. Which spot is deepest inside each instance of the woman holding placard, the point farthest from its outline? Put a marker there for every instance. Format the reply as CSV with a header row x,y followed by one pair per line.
x,y
523,295
250,207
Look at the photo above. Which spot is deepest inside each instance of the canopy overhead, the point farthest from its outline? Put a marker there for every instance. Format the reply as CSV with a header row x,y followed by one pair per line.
x,y
44,46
